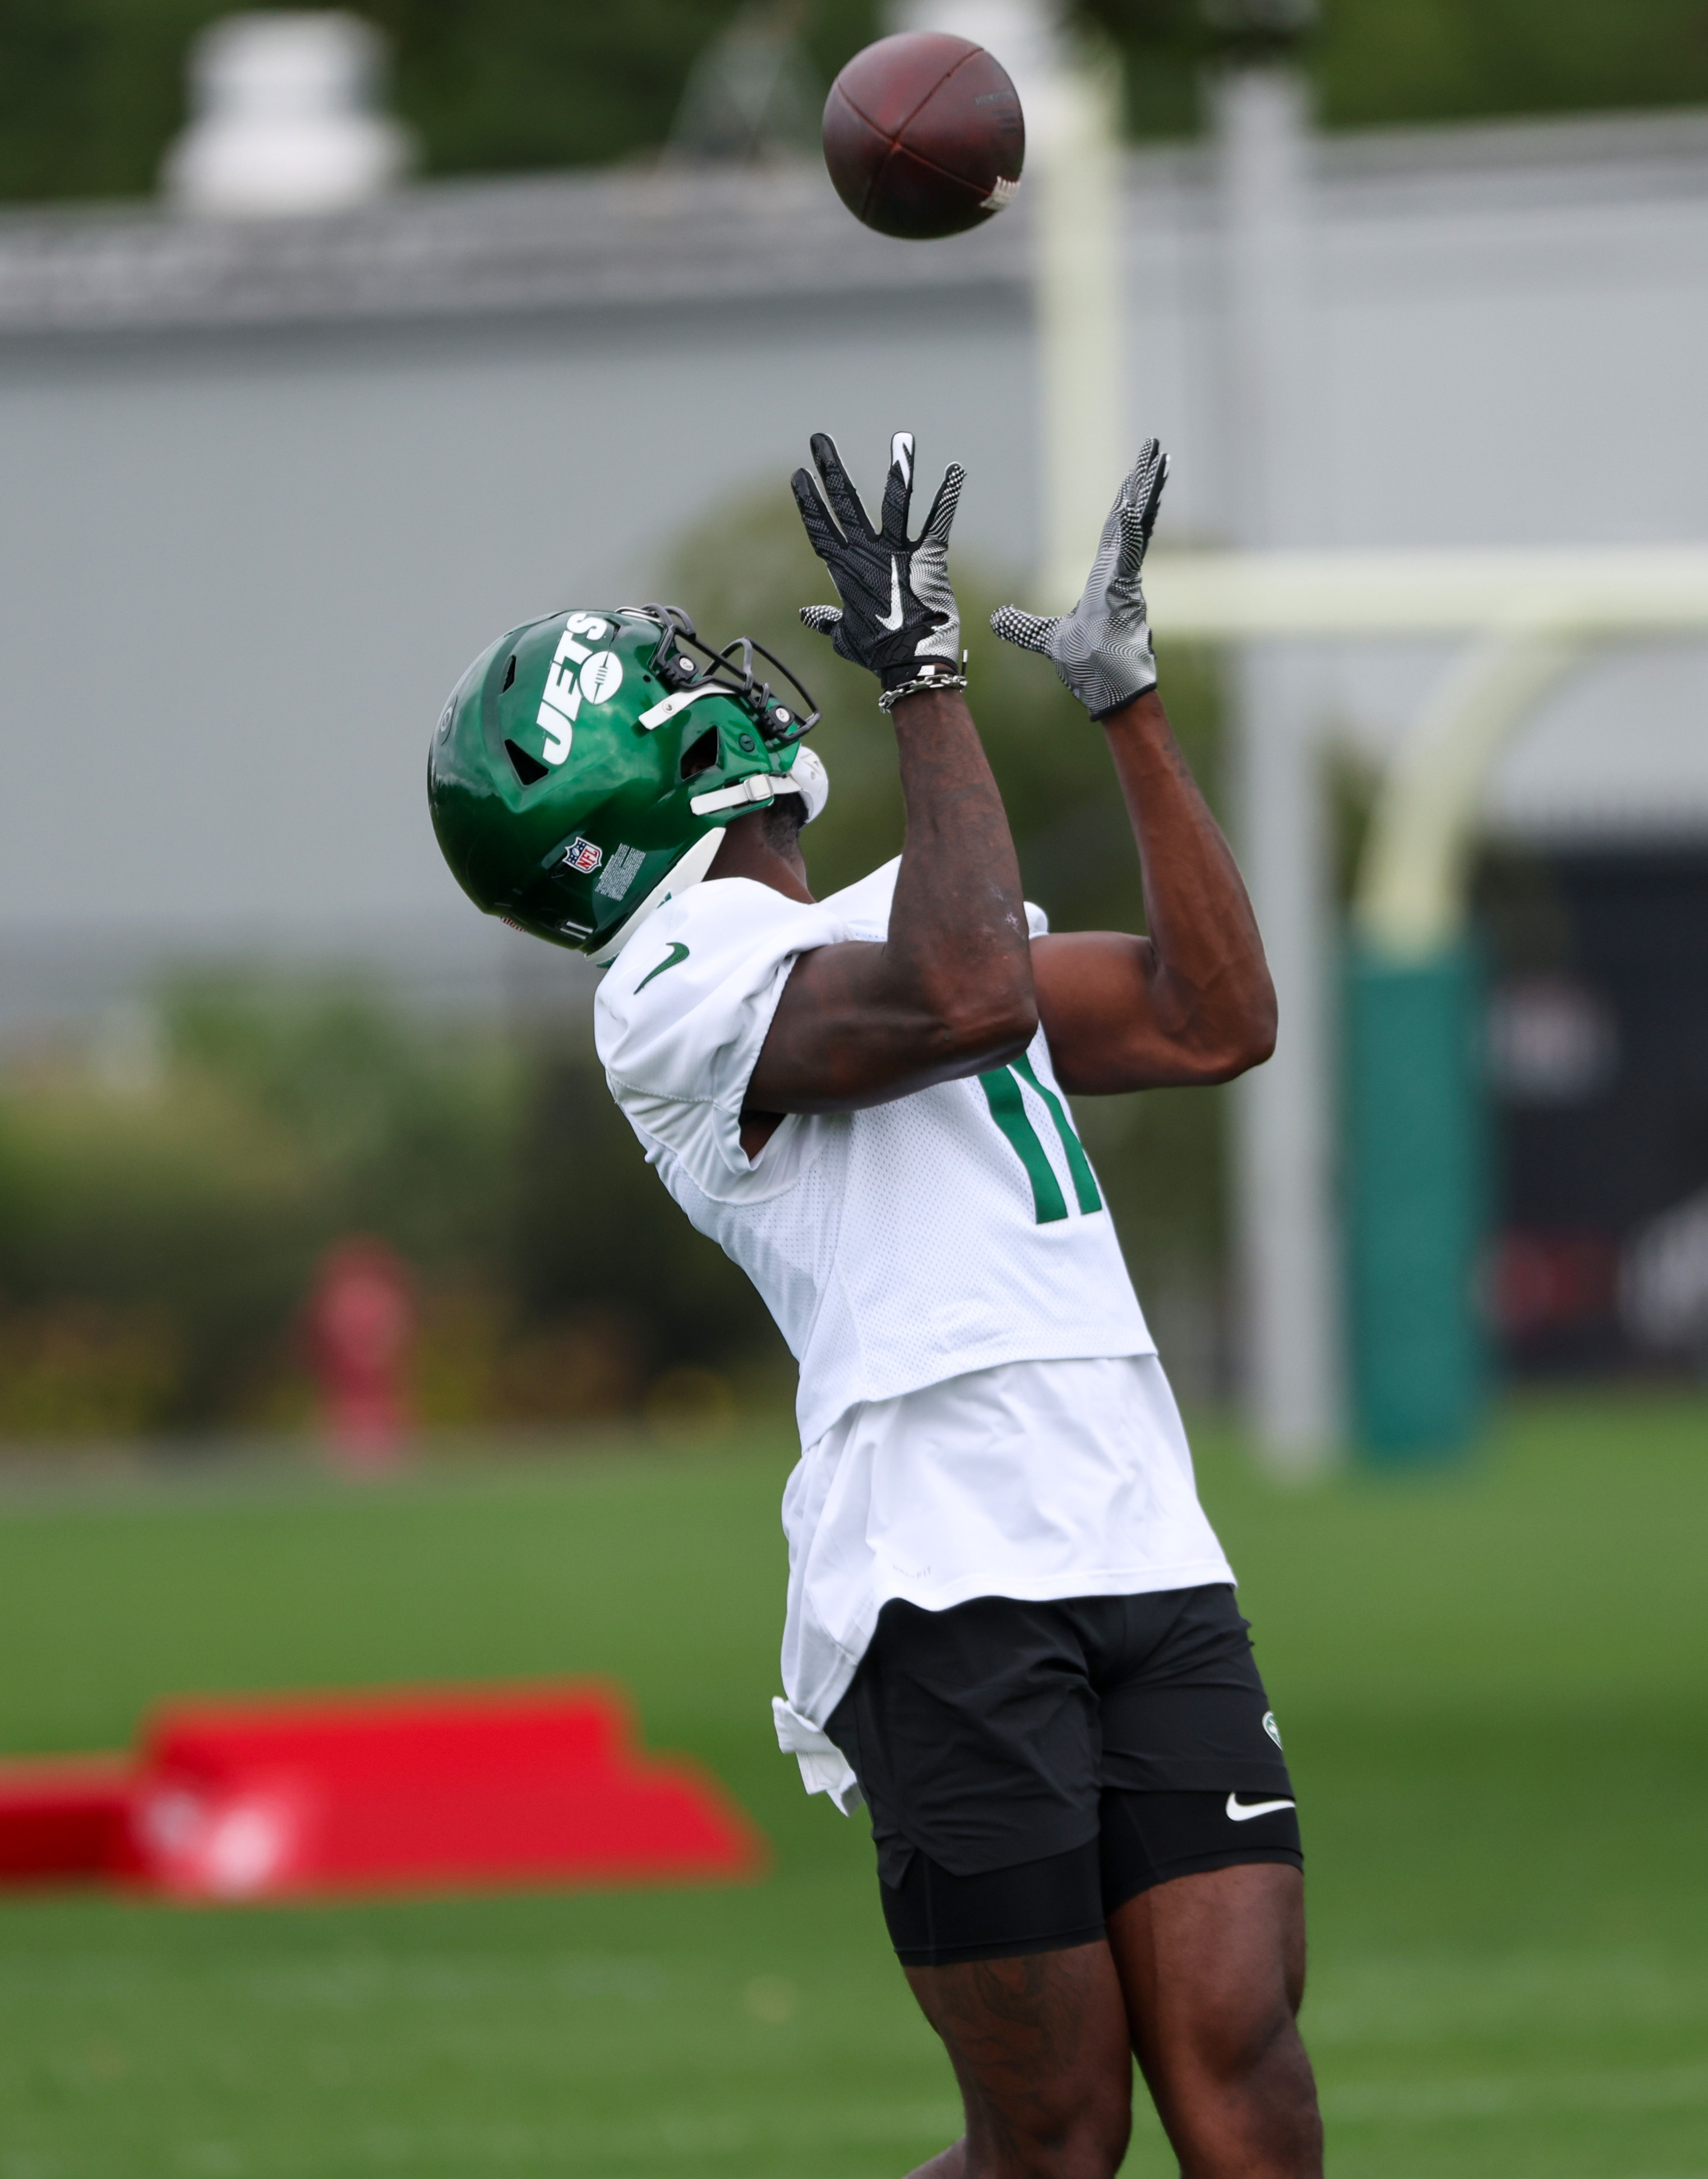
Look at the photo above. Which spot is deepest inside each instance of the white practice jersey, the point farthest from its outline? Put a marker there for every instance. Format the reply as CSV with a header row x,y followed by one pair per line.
x,y
1034,1480
980,1403
948,1231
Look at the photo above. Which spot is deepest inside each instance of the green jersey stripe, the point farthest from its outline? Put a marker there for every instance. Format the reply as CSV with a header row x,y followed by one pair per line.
x,y
1008,1110
1079,1165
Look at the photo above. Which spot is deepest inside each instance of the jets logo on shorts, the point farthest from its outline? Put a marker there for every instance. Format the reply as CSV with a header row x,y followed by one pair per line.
x,y
1271,1727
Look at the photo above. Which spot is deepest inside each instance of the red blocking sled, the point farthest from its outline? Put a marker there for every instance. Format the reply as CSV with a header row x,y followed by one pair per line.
x,y
64,1819
395,1791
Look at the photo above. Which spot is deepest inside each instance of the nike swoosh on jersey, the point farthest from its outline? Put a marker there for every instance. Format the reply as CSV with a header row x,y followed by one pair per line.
x,y
1236,1814
892,620
678,953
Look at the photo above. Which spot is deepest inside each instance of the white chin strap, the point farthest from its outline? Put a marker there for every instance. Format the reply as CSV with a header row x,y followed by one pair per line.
x,y
806,777
811,781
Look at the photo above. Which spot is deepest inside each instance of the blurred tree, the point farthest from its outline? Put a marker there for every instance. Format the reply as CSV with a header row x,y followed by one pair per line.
x,y
408,1129
503,84
157,1240
1425,60
1382,61
602,1251
175,1225
753,94
92,90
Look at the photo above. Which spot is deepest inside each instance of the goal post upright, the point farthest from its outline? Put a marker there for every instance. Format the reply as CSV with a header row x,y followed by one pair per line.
x,y
1285,1240
1409,1110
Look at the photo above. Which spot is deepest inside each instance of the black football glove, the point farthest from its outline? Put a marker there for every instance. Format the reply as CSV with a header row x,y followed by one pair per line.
x,y
897,610
1101,649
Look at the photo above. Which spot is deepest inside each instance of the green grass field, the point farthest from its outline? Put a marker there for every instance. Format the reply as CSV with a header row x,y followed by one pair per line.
x,y
1494,1688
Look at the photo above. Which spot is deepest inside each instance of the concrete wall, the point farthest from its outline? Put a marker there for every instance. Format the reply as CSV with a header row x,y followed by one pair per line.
x,y
265,493
238,578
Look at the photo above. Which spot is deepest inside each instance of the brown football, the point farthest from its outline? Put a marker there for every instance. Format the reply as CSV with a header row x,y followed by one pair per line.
x,y
923,136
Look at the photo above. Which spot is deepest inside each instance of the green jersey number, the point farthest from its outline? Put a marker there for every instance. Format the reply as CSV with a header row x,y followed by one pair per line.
x,y
1008,1110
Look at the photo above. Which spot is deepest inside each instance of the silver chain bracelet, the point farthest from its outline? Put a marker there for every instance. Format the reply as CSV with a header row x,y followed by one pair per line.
x,y
888,698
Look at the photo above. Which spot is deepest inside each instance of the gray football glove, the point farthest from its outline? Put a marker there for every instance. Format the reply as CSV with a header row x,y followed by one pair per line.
x,y
1103,648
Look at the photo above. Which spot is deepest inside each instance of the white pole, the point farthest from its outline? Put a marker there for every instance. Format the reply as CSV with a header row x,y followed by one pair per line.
x,y
1286,1228
1075,155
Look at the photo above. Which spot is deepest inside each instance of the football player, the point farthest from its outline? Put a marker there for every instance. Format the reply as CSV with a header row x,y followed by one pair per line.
x,y
1010,1630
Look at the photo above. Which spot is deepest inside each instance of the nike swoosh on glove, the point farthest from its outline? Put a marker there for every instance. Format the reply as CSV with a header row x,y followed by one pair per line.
x,y
1103,648
898,608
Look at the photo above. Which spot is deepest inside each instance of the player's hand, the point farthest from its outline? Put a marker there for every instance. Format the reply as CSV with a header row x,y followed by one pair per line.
x,y
1103,648
898,609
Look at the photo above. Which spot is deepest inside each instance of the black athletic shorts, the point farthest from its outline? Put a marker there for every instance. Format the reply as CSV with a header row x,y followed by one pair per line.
x,y
1031,1767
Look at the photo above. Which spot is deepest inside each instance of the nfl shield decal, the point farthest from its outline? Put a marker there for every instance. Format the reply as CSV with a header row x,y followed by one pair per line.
x,y
582,855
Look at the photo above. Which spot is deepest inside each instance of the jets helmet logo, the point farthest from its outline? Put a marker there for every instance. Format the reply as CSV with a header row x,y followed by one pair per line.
x,y
579,674
601,676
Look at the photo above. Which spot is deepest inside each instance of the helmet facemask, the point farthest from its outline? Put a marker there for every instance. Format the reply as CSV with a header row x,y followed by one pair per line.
x,y
729,673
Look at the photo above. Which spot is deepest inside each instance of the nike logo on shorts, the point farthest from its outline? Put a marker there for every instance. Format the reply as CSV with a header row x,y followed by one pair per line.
x,y
1239,1815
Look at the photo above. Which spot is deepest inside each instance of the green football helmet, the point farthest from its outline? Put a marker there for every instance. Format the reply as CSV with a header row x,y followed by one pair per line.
x,y
586,765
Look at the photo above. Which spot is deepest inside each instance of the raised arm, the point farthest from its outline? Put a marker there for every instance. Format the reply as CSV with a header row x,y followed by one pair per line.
x,y
950,992
1192,1003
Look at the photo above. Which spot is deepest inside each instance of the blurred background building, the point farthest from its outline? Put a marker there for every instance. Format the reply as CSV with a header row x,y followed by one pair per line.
x,y
283,445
